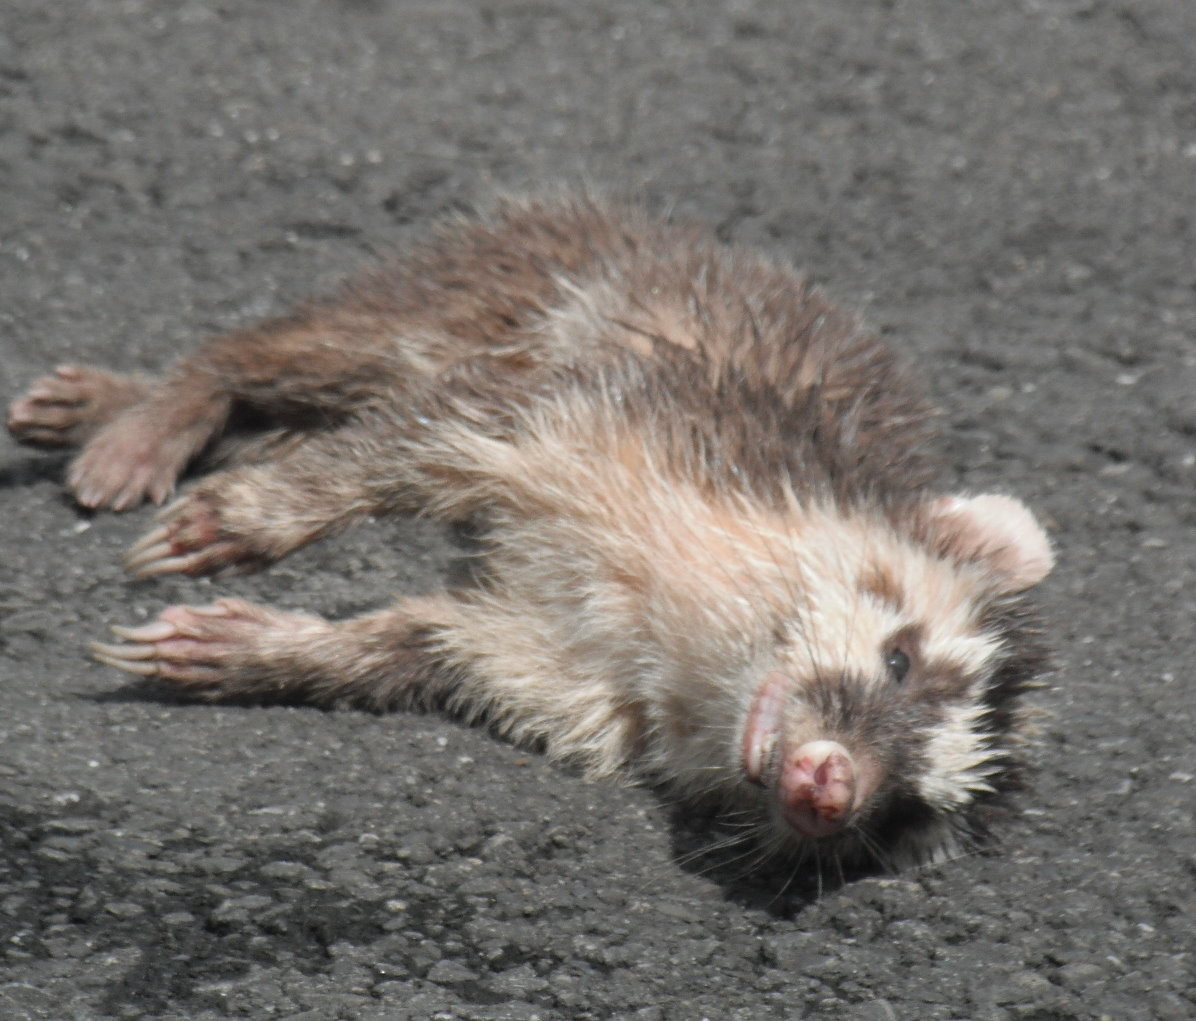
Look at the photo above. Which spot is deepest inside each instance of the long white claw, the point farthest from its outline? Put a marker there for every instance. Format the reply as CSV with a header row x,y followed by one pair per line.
x,y
220,608
130,658
172,510
160,565
148,552
126,652
154,537
157,631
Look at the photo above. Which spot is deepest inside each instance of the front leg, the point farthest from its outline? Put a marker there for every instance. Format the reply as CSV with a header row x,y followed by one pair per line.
x,y
234,650
245,518
479,656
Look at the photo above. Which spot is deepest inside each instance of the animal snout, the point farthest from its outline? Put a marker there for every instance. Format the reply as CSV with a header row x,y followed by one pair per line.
x,y
817,788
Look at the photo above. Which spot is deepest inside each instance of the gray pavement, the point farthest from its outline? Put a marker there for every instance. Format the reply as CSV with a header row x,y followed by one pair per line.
x,y
1006,188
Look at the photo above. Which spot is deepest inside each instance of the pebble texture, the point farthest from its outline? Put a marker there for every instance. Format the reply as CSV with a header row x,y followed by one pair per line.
x,y
1007,188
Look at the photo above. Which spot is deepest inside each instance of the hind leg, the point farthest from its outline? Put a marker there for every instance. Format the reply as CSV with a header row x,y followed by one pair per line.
x,y
68,407
131,447
141,452
136,435
470,294
138,438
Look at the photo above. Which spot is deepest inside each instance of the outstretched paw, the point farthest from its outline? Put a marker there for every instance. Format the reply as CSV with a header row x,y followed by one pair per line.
x,y
192,539
225,650
125,463
65,408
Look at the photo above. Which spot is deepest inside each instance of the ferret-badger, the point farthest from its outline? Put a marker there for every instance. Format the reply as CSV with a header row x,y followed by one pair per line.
x,y
712,554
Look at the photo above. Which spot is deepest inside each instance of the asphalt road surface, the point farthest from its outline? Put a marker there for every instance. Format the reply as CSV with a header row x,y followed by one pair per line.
x,y
1006,188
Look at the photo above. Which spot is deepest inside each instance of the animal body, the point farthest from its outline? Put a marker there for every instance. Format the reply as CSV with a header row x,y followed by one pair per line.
x,y
713,553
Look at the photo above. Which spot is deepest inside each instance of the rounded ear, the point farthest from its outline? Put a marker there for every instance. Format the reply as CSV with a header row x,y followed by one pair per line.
x,y
997,530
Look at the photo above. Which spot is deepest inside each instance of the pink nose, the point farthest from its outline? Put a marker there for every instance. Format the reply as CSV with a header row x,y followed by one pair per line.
x,y
817,787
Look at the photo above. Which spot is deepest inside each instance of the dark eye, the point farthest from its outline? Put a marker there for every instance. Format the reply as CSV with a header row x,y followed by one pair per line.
x,y
897,663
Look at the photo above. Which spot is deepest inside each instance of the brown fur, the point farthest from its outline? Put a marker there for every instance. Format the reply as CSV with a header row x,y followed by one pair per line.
x,y
683,458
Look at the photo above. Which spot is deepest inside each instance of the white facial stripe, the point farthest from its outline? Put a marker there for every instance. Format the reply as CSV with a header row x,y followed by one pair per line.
x,y
959,764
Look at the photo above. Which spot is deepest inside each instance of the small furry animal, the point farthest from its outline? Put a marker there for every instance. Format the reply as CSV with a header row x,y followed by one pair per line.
x,y
712,553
